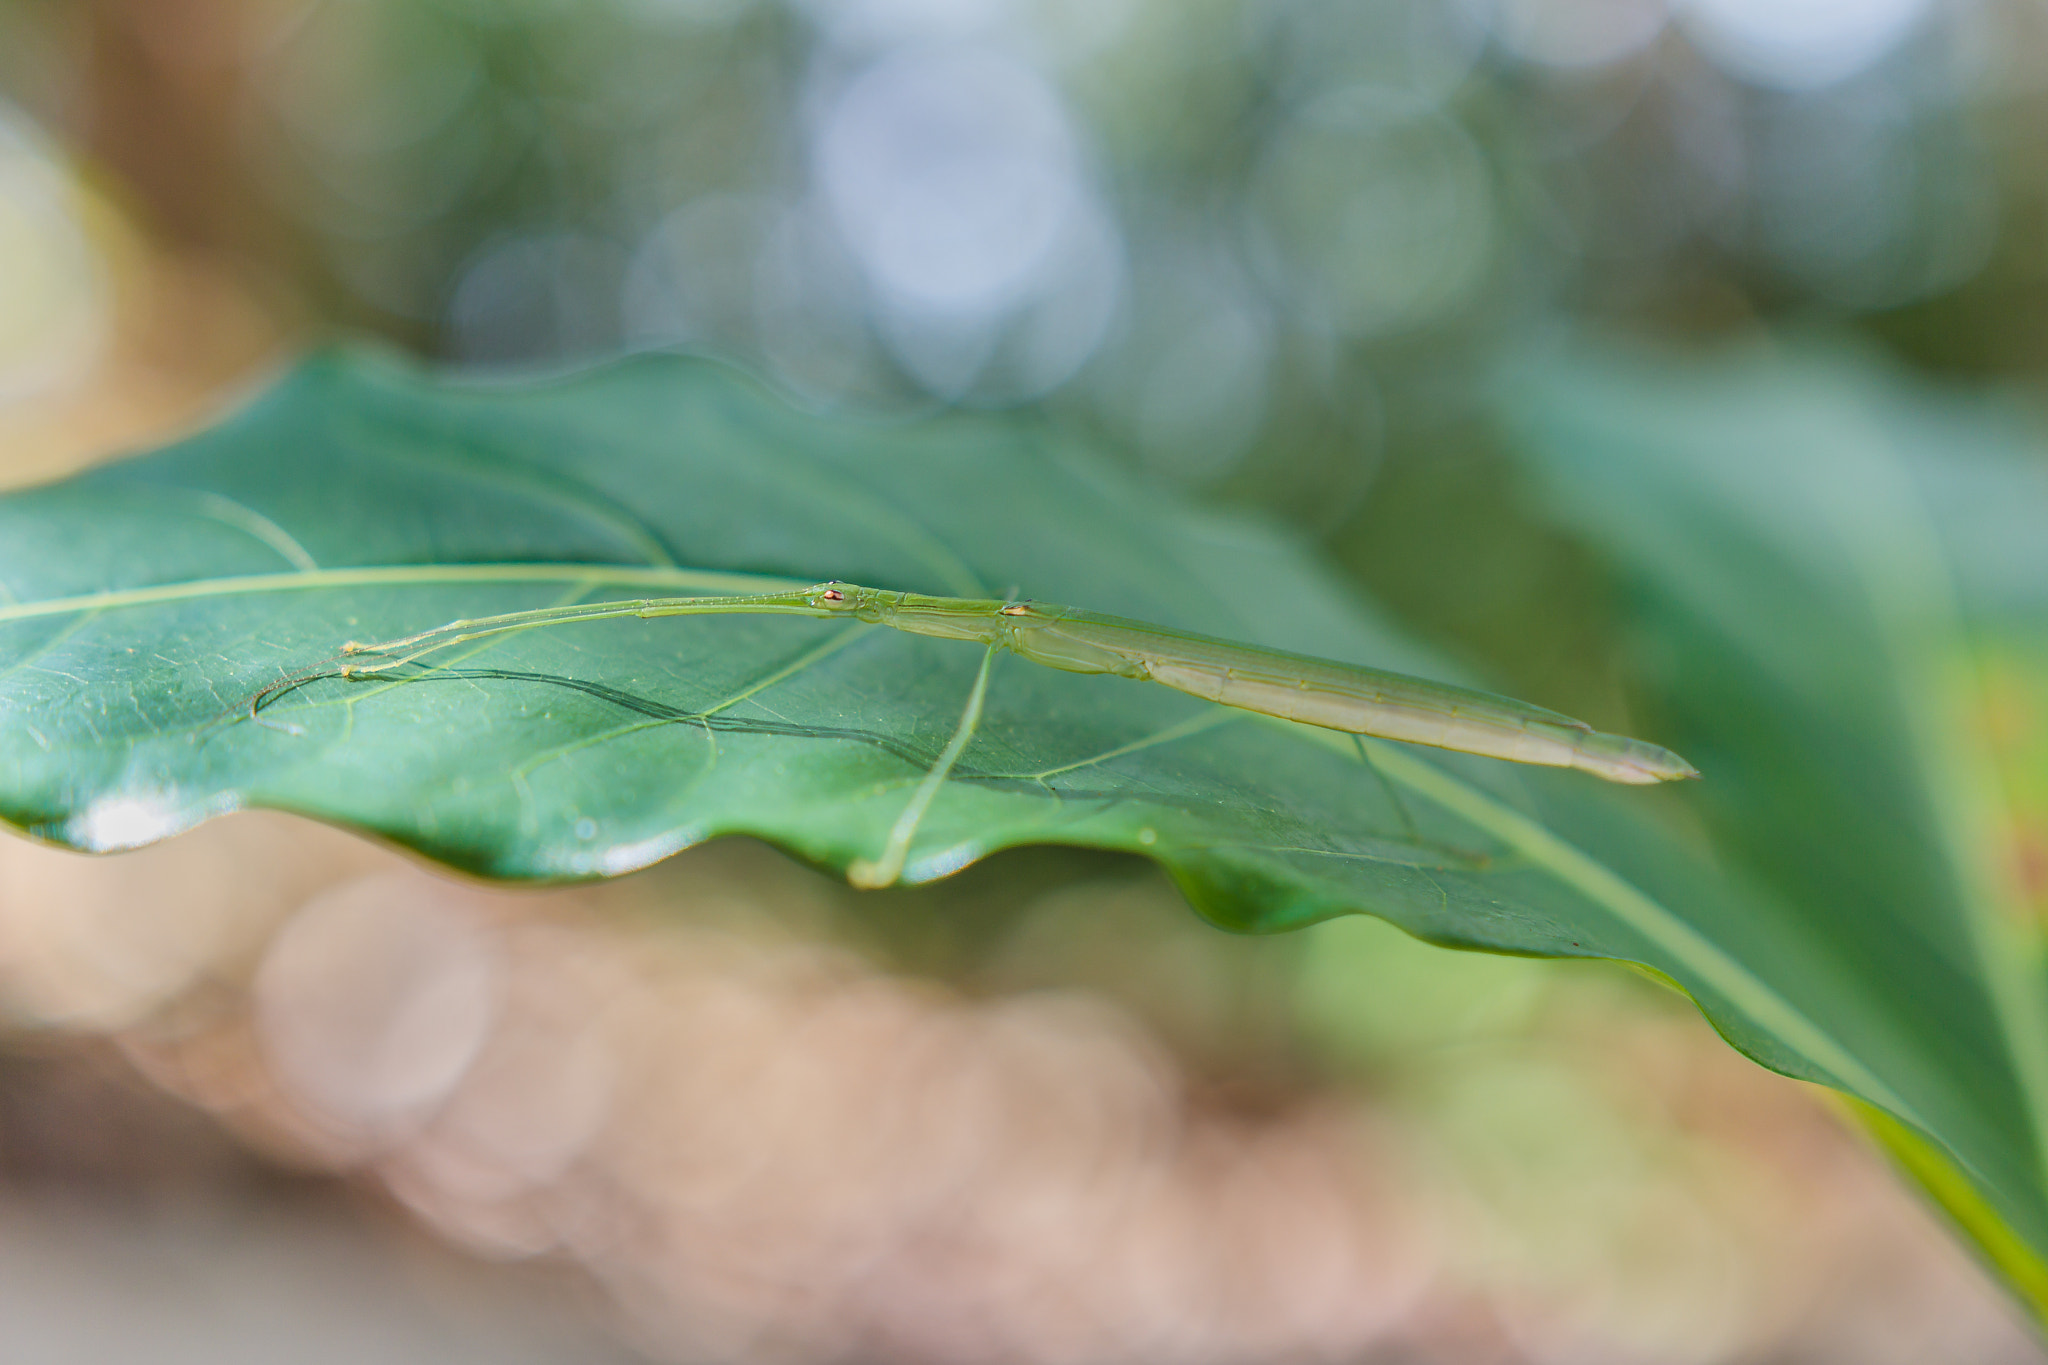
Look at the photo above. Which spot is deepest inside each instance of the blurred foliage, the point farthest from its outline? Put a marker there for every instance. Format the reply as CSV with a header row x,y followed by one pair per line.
x,y
1263,245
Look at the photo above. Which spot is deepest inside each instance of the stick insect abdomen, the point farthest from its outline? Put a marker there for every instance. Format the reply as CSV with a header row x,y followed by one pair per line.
x,y
1333,695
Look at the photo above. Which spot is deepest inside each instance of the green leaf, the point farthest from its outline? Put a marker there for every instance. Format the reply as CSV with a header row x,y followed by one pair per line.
x,y
1826,561
149,602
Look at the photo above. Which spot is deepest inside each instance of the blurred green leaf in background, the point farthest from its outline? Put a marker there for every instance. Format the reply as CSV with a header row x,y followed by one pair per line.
x,y
1839,578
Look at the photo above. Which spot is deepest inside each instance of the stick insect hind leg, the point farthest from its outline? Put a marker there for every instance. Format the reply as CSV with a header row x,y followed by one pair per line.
x,y
1400,806
884,871
1408,825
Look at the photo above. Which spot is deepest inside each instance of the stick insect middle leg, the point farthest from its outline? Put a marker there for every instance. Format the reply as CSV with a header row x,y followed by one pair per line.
x,y
884,871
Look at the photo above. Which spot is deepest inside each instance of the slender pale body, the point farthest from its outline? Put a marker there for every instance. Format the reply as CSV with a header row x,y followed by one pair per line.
x,y
1272,682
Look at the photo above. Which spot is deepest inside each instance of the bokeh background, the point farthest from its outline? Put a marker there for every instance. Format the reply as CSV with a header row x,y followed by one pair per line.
x,y
270,1090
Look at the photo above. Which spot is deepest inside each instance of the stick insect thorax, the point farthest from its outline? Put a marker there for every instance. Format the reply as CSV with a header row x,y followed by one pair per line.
x,y
1295,687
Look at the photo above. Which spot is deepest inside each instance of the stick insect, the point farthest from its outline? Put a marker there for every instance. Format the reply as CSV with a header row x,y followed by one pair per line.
x,y
1271,682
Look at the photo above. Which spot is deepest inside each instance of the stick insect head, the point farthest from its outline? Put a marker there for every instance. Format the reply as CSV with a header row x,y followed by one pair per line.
x,y
849,598
834,596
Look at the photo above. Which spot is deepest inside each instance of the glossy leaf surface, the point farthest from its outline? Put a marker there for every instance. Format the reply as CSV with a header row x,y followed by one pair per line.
x,y
148,603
